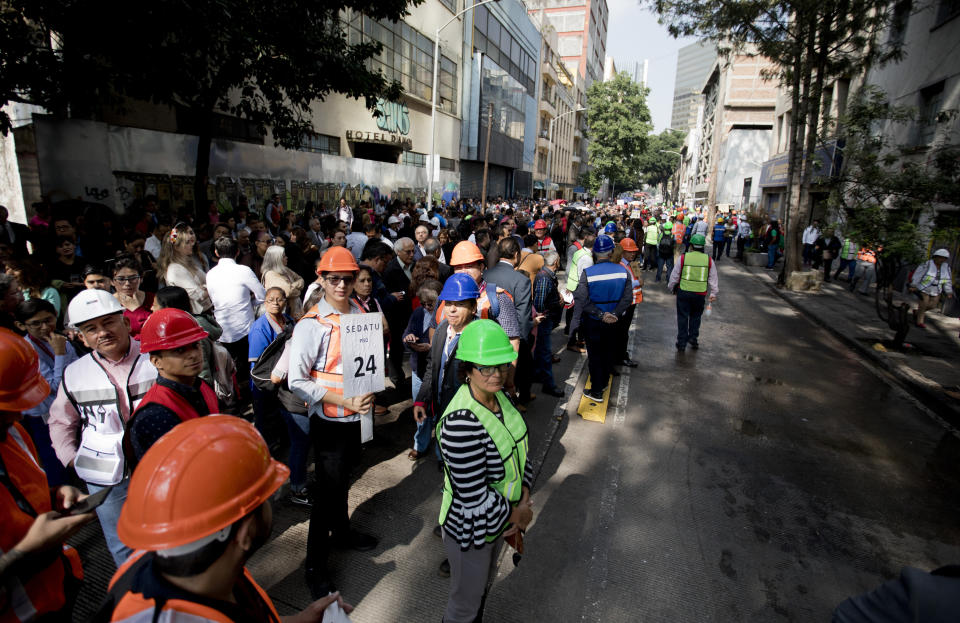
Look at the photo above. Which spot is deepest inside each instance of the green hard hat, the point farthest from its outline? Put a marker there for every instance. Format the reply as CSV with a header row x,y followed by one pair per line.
x,y
697,240
485,343
667,226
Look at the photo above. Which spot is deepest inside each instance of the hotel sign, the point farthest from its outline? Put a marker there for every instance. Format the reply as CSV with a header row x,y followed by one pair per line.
x,y
383,138
393,118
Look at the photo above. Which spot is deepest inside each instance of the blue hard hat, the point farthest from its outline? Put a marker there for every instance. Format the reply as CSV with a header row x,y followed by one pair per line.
x,y
459,287
610,228
604,244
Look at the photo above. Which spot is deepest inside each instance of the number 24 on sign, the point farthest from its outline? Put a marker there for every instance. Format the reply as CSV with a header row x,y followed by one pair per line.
x,y
361,343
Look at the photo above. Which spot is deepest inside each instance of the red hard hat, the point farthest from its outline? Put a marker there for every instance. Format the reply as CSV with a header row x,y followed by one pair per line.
x,y
169,328
627,244
21,385
198,479
465,252
337,259
540,224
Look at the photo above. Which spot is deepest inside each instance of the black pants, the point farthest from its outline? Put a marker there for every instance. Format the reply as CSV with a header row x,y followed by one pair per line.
x,y
689,313
649,256
397,325
601,341
623,334
740,243
524,375
240,353
717,249
827,265
336,449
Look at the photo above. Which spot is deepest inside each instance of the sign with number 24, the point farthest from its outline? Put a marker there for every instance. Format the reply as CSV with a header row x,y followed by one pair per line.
x,y
361,346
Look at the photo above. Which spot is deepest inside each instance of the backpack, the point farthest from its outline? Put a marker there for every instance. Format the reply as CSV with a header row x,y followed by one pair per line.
x,y
665,245
260,373
224,376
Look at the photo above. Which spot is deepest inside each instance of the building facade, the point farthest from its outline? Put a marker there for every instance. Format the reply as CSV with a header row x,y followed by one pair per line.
x,y
734,131
694,63
581,27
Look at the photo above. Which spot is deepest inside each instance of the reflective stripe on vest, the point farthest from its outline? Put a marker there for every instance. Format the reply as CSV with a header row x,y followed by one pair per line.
x,y
849,251
694,272
932,276
90,390
637,290
327,370
605,283
866,255
573,276
509,436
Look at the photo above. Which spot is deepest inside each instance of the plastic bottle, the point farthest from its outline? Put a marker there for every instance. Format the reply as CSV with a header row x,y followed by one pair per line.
x,y
709,310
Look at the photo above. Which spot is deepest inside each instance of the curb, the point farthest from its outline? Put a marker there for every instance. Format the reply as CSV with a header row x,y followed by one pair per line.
x,y
930,398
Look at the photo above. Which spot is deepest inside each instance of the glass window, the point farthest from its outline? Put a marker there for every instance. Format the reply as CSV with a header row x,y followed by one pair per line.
x,y
413,158
450,4
480,19
493,29
321,144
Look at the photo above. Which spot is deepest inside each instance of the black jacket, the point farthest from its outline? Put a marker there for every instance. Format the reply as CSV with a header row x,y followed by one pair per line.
x,y
428,394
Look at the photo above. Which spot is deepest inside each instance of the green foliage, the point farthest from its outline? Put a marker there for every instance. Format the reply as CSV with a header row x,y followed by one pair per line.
x,y
657,165
887,190
268,62
619,122
591,181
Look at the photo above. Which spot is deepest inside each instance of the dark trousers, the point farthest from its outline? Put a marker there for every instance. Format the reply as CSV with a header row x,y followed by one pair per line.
x,y
850,265
689,311
664,262
543,354
524,376
623,331
601,341
649,256
336,449
396,349
717,249
240,353
727,243
741,242
807,253
827,265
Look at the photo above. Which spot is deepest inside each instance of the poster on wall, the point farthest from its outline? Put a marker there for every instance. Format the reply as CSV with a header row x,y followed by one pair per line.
x,y
227,195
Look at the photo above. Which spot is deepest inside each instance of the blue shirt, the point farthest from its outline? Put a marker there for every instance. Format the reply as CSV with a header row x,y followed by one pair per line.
x,y
51,369
262,333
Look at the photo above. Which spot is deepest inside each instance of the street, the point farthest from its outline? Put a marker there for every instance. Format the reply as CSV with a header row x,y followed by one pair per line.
x,y
766,476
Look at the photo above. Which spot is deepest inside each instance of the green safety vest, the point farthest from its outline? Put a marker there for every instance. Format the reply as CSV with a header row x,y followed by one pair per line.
x,y
696,268
573,277
510,437
849,251
653,234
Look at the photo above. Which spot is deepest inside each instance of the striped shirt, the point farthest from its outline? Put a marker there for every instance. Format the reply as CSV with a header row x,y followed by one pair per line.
x,y
473,463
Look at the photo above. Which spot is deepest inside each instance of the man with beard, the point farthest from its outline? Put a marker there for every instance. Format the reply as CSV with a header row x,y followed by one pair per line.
x,y
194,535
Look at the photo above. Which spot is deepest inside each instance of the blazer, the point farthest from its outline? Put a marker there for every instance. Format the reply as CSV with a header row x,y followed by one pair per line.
x,y
428,394
504,276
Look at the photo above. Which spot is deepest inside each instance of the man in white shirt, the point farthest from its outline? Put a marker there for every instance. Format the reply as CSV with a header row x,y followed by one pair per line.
x,y
234,291
154,241
356,240
810,236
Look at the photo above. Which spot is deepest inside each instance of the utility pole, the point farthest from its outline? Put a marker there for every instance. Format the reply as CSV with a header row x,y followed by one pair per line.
x,y
486,159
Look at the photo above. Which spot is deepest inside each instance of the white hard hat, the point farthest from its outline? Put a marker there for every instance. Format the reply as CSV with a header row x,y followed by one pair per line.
x,y
91,304
941,253
392,220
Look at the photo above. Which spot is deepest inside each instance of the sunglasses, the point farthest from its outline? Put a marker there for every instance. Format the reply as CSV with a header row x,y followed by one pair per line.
x,y
335,280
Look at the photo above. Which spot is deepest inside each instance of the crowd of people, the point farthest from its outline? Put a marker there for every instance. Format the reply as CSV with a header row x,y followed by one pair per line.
x,y
137,352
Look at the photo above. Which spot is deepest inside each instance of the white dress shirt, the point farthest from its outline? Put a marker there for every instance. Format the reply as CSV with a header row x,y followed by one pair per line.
x,y
230,286
152,246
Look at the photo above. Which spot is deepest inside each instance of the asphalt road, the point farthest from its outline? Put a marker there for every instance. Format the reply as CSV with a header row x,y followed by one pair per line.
x,y
765,477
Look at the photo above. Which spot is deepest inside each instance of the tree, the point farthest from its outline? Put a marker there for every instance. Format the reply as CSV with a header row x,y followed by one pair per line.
x,y
661,159
811,43
267,62
619,125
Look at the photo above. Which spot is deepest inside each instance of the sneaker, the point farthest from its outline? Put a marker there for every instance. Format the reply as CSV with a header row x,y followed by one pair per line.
x,y
301,498
594,395
694,344
320,585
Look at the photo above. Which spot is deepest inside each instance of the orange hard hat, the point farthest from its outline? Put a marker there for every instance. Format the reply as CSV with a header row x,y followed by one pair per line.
x,y
465,252
169,328
337,259
198,479
21,385
540,224
627,244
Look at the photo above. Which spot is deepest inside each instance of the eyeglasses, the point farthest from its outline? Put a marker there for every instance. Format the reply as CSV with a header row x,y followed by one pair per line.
x,y
275,301
335,280
128,279
36,324
488,371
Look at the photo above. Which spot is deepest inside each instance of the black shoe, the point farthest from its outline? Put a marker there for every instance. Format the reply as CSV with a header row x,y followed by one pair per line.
x,y
614,372
630,363
301,498
437,532
556,392
358,541
320,585
444,569
594,395
681,348
694,344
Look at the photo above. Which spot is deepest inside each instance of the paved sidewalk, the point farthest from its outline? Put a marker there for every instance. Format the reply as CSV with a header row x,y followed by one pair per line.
x,y
927,366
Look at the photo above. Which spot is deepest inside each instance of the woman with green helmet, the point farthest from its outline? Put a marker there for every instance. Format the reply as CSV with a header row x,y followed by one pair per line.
x,y
486,487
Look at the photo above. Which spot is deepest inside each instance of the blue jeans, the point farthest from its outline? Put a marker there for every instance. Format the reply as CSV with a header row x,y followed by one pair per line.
x,y
772,254
664,261
421,439
543,355
56,474
415,383
109,514
689,312
298,429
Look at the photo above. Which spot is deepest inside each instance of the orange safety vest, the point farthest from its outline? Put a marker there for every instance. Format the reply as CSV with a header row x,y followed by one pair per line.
x,y
678,230
133,607
637,288
25,494
330,374
866,255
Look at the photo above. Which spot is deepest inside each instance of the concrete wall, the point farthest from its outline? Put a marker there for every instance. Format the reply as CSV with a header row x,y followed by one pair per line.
x,y
741,154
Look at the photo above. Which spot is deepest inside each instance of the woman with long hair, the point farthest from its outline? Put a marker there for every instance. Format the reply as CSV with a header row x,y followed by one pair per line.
x,y
181,264
276,274
34,281
137,304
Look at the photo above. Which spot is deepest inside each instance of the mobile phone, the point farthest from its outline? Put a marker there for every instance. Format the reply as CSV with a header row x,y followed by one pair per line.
x,y
88,503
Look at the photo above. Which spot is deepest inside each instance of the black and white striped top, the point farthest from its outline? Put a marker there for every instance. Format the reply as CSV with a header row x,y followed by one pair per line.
x,y
473,463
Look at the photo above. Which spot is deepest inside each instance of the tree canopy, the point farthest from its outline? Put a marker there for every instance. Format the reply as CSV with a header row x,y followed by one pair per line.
x,y
657,163
619,124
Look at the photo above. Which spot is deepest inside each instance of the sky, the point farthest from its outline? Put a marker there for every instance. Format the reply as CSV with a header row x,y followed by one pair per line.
x,y
633,34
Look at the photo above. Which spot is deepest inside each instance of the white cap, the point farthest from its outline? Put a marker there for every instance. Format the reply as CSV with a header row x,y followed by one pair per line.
x,y
91,304
393,219
941,253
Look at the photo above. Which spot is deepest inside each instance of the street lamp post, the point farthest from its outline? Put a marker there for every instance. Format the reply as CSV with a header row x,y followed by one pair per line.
x,y
433,105
550,143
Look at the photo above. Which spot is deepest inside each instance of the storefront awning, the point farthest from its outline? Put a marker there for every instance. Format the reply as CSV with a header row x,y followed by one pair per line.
x,y
538,185
554,186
